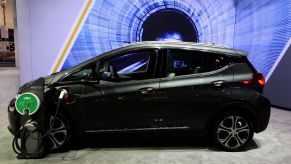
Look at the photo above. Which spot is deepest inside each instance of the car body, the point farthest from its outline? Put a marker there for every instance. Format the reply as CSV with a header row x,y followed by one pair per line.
x,y
171,87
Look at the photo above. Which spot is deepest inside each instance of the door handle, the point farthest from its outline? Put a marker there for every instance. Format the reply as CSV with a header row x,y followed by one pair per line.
x,y
145,91
219,83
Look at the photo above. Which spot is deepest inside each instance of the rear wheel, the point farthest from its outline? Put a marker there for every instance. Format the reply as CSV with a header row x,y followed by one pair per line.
x,y
232,132
60,136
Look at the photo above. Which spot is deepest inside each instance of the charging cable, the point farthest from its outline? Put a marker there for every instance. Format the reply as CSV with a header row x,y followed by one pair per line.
x,y
31,126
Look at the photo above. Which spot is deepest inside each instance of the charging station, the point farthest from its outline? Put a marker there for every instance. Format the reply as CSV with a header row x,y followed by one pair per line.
x,y
29,141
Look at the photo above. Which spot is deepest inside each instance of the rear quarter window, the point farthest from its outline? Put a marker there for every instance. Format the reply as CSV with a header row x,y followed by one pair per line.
x,y
243,59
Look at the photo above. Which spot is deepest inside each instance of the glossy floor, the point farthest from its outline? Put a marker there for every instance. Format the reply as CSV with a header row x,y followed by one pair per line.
x,y
270,146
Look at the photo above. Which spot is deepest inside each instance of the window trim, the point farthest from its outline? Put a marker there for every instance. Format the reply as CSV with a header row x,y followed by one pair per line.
x,y
198,74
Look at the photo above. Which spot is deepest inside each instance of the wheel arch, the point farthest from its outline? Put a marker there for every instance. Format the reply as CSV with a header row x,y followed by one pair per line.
x,y
241,107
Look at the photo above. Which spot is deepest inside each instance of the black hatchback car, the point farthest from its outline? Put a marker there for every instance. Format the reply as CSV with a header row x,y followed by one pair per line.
x,y
165,87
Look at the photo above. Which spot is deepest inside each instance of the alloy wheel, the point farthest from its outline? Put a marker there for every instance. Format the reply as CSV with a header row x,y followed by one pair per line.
x,y
233,132
58,134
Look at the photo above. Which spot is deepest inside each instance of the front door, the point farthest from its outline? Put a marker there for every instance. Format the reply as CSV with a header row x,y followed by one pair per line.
x,y
126,96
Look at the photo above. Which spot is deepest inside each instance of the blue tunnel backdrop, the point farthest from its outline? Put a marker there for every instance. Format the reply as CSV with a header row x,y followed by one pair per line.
x,y
260,27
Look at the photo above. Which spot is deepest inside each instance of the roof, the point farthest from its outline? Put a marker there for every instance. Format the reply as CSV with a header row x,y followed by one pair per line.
x,y
187,45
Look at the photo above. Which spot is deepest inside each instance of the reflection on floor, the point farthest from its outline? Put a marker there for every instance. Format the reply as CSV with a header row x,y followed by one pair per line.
x,y
271,146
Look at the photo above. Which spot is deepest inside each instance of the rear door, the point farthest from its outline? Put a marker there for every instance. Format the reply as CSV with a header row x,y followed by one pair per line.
x,y
193,85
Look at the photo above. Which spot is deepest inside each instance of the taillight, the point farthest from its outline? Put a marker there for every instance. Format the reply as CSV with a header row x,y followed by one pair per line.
x,y
258,79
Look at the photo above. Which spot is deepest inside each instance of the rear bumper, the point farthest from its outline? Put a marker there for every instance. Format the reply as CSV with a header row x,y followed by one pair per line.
x,y
263,110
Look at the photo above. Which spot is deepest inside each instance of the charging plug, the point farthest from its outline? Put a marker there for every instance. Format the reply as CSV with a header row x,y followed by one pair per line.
x,y
63,94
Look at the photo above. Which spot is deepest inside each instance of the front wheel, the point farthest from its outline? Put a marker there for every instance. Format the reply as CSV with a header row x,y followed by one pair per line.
x,y
232,132
60,135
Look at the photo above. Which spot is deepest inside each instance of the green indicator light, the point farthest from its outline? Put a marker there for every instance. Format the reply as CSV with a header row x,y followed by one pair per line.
x,y
27,103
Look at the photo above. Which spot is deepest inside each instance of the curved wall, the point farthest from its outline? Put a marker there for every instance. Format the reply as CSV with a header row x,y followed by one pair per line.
x,y
260,27
263,28
112,24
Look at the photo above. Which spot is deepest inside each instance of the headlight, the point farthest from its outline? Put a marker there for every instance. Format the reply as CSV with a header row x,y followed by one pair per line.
x,y
11,106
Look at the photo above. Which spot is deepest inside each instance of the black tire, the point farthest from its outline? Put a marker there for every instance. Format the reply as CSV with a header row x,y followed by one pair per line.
x,y
232,131
59,138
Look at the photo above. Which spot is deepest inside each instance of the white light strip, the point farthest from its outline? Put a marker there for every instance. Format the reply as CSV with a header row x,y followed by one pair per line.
x,y
278,60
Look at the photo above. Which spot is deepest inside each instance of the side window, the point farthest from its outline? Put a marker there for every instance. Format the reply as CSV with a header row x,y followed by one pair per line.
x,y
85,73
193,62
125,67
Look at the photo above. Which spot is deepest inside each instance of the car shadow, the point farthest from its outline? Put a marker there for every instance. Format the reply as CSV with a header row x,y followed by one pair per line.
x,y
151,143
